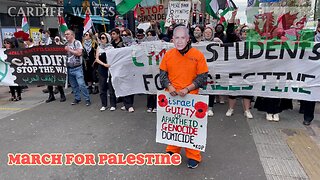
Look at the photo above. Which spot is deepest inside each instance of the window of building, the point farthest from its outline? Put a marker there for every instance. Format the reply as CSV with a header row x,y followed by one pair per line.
x,y
6,20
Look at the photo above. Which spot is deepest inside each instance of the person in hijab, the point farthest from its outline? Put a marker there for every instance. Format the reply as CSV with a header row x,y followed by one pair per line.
x,y
208,33
197,34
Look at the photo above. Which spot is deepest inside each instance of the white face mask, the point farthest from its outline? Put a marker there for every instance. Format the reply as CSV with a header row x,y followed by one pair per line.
x,y
180,39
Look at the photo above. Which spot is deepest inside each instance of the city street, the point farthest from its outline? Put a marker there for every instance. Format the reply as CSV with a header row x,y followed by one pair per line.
x,y
237,148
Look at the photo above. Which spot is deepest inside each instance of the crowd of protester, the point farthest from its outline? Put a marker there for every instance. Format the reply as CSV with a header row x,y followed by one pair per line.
x,y
89,73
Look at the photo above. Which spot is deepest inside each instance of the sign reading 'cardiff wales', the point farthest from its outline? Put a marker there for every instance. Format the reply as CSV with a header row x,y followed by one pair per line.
x,y
182,121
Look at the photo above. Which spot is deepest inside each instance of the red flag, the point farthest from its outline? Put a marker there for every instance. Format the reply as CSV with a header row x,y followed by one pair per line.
x,y
87,23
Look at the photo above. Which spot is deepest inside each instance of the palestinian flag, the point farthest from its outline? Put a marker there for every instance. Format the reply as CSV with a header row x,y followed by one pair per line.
x,y
24,25
213,6
62,24
123,6
253,3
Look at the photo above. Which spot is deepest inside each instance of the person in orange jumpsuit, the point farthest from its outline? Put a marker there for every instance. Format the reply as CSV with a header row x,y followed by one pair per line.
x,y
183,70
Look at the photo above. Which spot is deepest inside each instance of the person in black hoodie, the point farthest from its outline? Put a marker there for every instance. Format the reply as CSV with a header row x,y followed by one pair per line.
x,y
127,100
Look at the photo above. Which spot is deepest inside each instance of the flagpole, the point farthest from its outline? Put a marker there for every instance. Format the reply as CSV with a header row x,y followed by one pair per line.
x,y
102,16
94,29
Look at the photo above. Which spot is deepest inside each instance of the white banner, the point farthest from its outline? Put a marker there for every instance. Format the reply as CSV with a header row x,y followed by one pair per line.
x,y
6,77
178,11
242,68
182,121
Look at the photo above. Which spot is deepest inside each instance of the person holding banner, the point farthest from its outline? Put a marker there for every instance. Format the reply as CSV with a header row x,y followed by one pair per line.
x,y
307,107
183,70
10,43
75,70
101,59
117,42
197,34
208,33
233,37
57,88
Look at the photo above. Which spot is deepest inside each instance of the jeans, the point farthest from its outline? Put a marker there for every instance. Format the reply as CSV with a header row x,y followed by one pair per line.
x,y
77,83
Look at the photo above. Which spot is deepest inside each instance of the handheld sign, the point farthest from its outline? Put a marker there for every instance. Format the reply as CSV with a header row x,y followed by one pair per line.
x,y
182,121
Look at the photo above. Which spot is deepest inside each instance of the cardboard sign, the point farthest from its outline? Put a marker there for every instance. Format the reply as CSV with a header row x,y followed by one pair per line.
x,y
179,12
153,13
182,121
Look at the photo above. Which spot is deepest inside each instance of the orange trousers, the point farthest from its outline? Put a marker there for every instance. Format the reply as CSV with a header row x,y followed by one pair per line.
x,y
190,153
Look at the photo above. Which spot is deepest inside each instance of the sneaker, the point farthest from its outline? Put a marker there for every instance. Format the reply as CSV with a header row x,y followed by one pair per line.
x,y
123,108
103,108
229,112
149,110
269,117
131,109
248,114
192,164
75,102
210,113
221,102
88,102
154,110
112,109
276,117
306,123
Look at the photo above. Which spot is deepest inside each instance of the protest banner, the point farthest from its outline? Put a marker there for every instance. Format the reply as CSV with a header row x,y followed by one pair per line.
x,y
6,77
179,12
153,13
40,65
182,121
242,68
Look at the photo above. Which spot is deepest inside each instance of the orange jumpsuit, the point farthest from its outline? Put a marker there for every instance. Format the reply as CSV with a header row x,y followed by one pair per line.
x,y
182,70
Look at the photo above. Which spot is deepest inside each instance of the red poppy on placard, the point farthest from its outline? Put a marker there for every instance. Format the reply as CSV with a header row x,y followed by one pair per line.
x,y
201,109
163,101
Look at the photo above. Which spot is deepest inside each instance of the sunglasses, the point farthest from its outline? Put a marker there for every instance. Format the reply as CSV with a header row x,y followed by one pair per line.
x,y
86,35
125,35
244,30
102,37
57,39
